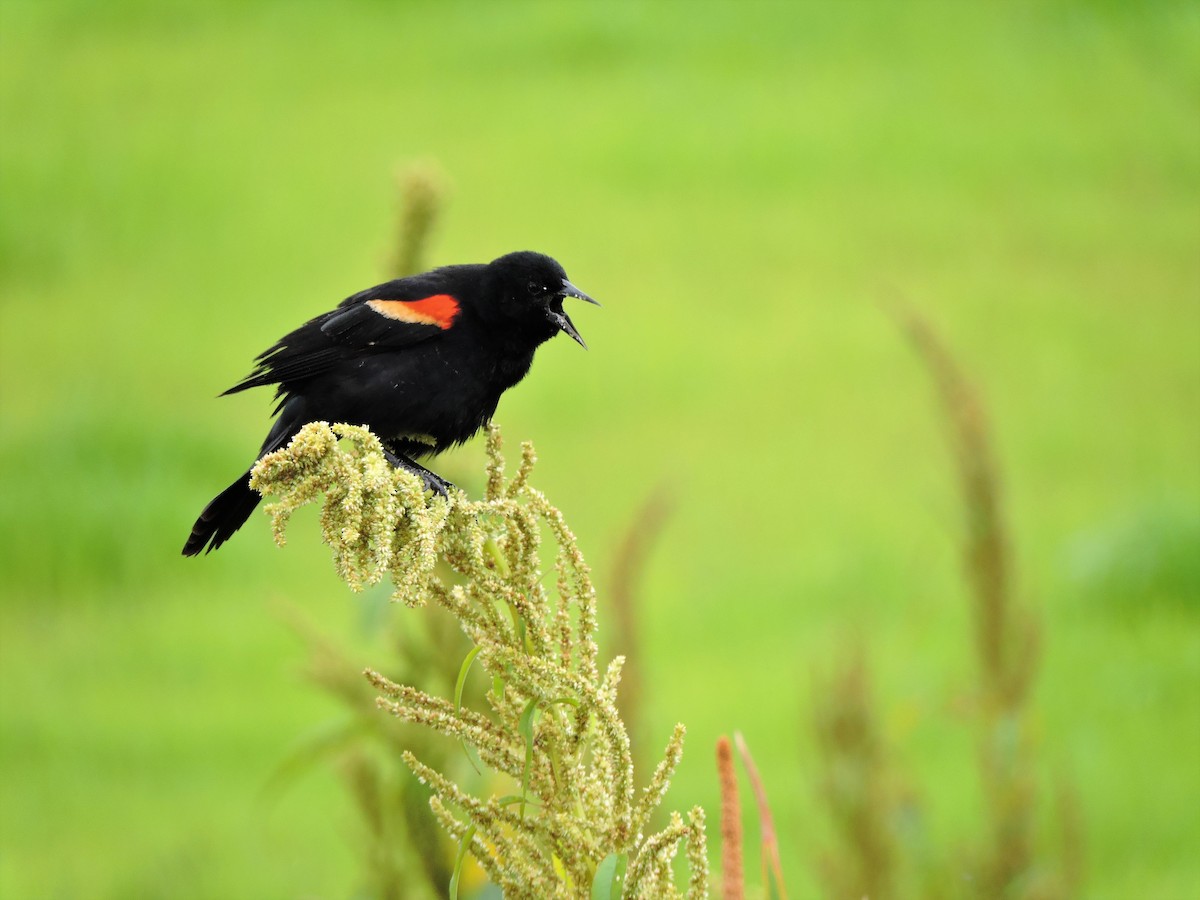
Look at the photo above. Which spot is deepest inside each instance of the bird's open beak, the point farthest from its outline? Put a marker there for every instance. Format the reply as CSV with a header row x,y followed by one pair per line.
x,y
569,290
560,318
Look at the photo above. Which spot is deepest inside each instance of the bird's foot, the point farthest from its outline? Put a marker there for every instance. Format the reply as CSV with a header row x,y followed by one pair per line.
x,y
430,481
436,483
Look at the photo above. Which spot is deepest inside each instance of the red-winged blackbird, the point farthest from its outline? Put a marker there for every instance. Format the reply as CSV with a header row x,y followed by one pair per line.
x,y
421,361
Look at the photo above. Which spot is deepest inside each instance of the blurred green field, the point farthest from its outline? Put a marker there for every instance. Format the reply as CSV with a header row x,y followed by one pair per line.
x,y
741,185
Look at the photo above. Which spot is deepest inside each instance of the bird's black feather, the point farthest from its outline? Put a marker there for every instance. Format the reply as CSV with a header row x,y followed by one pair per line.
x,y
425,356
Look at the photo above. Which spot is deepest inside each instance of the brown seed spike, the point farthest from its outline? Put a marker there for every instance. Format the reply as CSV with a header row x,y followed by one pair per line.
x,y
732,881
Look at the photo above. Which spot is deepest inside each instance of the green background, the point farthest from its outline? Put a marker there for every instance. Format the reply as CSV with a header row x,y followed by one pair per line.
x,y
743,186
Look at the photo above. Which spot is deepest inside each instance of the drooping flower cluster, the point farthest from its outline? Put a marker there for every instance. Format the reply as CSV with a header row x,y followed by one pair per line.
x,y
575,821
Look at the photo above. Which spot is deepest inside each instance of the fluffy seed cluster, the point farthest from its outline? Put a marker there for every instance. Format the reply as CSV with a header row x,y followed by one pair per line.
x,y
575,823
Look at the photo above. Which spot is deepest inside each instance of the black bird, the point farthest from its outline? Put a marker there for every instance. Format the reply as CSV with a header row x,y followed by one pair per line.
x,y
421,361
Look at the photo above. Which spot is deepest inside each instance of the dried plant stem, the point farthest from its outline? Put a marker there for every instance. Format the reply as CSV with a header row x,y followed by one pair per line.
x,y
1006,634
421,187
854,786
629,563
772,868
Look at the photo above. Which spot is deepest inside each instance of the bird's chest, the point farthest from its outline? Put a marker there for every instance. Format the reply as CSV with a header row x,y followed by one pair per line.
x,y
507,370
451,395
478,387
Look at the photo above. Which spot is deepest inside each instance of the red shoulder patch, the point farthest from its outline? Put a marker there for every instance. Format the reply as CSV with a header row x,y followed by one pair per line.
x,y
440,310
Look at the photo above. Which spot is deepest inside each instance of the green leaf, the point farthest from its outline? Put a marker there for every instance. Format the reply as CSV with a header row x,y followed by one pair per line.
x,y
510,799
472,758
610,877
564,877
525,729
464,846
493,550
462,676
774,884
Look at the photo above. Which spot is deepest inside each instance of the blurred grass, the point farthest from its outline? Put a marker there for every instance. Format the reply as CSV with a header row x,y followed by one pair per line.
x,y
739,184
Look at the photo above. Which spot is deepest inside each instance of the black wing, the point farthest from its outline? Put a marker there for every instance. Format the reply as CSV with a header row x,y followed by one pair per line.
x,y
386,317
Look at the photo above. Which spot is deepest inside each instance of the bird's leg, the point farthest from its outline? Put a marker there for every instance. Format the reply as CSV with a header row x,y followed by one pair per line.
x,y
431,480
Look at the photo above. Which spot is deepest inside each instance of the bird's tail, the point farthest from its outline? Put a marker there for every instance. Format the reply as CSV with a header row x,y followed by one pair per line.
x,y
227,512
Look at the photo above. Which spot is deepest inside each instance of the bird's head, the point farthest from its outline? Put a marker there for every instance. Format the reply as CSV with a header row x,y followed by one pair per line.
x,y
529,289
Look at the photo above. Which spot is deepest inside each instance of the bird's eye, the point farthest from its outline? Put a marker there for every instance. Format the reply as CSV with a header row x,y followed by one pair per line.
x,y
534,288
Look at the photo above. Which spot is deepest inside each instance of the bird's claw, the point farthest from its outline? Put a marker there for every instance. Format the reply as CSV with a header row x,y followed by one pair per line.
x,y
430,481
440,486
